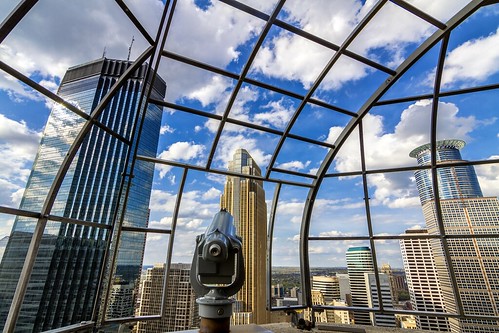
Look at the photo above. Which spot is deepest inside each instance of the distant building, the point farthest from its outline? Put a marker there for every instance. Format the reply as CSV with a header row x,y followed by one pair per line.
x,y
378,319
464,211
328,285
121,299
345,293
244,198
387,269
359,262
181,309
422,279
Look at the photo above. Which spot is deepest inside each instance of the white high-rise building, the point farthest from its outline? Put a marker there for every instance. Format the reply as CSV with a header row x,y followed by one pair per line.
x,y
422,280
328,285
359,262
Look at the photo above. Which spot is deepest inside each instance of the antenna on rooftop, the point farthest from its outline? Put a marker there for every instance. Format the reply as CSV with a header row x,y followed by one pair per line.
x,y
104,52
130,48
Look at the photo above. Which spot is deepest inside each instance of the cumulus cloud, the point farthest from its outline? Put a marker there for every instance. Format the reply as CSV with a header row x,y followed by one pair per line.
x,y
18,147
230,143
385,148
488,177
461,65
278,115
180,151
294,165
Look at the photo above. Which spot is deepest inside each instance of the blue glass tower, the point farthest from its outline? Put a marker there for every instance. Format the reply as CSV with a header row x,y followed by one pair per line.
x,y
456,182
62,287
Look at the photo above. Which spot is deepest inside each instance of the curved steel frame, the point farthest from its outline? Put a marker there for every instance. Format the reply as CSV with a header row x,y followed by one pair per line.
x,y
156,52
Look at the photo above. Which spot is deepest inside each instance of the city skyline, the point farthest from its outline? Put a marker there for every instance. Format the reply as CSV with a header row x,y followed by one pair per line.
x,y
400,126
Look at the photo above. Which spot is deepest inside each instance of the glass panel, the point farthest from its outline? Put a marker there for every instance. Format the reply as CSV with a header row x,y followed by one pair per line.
x,y
395,204
285,246
349,84
258,144
472,118
347,158
289,61
331,20
223,35
339,209
257,106
317,123
45,54
392,132
402,33
466,63
65,274
487,176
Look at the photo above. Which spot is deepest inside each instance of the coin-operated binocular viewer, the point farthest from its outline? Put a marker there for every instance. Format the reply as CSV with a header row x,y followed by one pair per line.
x,y
217,272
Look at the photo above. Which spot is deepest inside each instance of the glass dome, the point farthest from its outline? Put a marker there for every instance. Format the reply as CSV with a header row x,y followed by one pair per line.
x,y
125,126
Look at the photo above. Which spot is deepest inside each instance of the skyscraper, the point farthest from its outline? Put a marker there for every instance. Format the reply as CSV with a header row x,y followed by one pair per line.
x,y
422,279
378,319
244,198
181,311
328,285
359,262
464,211
66,272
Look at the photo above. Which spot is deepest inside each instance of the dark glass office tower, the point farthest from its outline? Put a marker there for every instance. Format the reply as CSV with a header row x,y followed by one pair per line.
x,y
62,287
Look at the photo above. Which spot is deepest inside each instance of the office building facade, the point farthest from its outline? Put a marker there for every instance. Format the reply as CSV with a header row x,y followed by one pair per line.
x,y
359,262
422,279
373,300
328,285
464,211
66,272
244,198
181,310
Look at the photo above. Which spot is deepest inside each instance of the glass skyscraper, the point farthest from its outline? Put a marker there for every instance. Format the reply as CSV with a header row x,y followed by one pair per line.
x,y
62,287
474,260
454,182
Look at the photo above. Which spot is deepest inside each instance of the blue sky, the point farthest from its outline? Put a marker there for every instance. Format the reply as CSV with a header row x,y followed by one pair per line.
x,y
58,34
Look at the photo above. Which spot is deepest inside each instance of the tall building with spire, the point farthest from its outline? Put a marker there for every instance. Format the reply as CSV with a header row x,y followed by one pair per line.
x,y
63,284
244,198
359,262
463,211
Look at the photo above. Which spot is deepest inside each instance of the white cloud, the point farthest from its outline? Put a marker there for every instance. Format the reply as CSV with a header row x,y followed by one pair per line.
x,y
73,33
391,149
488,177
472,61
18,147
166,129
278,115
212,91
179,151
212,193
230,143
294,165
